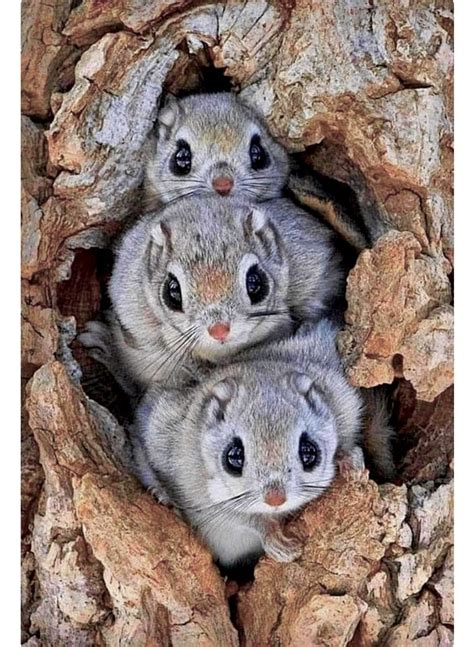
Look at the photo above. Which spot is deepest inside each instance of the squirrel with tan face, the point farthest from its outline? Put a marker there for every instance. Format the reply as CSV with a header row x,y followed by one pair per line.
x,y
213,144
252,442
204,278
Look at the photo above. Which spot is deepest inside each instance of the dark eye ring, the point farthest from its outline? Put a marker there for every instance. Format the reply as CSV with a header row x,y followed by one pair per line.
x,y
234,457
180,163
172,293
259,158
309,452
256,283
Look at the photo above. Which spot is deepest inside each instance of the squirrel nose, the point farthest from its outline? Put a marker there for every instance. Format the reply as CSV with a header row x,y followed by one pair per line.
x,y
275,498
222,185
219,331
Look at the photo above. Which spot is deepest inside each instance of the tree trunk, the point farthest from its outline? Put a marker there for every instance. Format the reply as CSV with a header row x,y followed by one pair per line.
x,y
360,92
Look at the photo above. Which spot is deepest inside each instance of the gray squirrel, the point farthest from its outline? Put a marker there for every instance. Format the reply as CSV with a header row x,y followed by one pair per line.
x,y
253,441
204,278
213,144
207,144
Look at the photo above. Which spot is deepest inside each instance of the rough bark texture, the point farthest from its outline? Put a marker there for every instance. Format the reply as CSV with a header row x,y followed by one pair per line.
x,y
362,93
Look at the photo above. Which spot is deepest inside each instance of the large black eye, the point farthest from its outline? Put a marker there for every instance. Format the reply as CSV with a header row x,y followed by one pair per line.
x,y
234,457
257,284
172,293
259,158
180,163
309,452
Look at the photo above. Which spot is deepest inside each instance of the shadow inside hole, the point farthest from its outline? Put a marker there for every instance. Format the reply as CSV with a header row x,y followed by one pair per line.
x,y
425,439
338,176
194,73
337,193
403,411
240,574
84,296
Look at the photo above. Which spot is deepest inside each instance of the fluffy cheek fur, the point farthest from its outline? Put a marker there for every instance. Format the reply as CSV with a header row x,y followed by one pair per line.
x,y
271,328
307,485
322,476
297,494
242,335
262,185
249,325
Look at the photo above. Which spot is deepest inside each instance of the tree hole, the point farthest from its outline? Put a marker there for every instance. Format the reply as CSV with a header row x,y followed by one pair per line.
x,y
84,296
326,167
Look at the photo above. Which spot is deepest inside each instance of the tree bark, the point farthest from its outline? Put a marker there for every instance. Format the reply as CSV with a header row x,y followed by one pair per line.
x,y
360,92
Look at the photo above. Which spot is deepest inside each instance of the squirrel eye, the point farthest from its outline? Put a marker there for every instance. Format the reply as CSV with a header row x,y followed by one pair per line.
x,y
234,457
180,163
256,283
259,158
172,293
310,454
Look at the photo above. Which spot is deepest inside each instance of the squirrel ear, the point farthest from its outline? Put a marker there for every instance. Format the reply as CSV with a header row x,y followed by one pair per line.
x,y
300,382
220,396
168,114
304,385
160,242
258,225
224,390
161,234
254,221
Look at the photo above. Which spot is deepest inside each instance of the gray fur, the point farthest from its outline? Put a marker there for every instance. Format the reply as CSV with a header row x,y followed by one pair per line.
x,y
208,243
268,397
218,128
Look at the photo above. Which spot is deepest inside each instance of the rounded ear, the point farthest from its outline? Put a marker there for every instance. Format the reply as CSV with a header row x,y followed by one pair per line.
x,y
161,234
168,114
257,225
305,386
254,221
300,382
225,390
220,395
160,242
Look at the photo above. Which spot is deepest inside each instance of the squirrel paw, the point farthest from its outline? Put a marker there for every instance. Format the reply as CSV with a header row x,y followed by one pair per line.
x,y
159,494
281,547
96,338
352,465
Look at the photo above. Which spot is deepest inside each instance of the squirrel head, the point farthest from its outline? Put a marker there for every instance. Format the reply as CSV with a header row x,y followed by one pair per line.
x,y
214,144
268,441
216,277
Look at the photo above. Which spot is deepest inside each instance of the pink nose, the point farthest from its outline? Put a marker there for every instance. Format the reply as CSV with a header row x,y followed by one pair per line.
x,y
219,331
223,185
275,498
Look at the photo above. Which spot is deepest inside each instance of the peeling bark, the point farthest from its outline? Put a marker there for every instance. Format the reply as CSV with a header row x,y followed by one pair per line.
x,y
400,323
47,58
111,564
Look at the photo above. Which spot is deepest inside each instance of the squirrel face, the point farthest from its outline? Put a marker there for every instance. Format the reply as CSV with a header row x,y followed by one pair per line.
x,y
214,144
268,446
216,284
